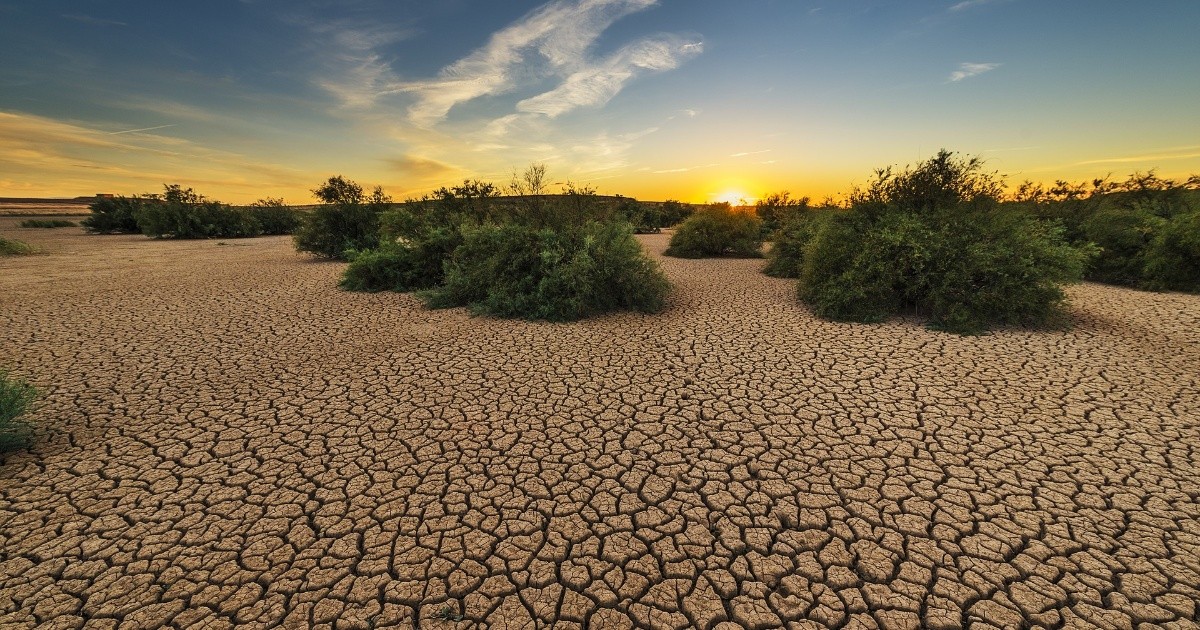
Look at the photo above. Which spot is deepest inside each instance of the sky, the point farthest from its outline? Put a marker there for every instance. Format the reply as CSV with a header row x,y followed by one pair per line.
x,y
696,100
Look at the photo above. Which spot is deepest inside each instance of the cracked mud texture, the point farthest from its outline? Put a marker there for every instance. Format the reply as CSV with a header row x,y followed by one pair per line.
x,y
228,440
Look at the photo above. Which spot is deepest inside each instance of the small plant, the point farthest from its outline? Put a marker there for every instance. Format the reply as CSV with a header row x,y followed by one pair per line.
x,y
13,247
447,613
113,215
717,230
47,223
16,399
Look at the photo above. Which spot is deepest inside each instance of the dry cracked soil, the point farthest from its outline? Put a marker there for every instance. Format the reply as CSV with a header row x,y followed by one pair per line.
x,y
228,440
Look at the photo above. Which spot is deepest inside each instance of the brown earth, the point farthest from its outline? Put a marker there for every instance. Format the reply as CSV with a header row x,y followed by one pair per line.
x,y
229,440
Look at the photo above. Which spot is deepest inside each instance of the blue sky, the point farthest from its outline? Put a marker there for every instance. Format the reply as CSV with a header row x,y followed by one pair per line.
x,y
688,99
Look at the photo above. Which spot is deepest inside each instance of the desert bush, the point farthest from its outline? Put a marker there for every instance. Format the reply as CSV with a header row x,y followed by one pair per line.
x,y
185,214
16,399
776,209
13,247
520,270
47,223
933,240
785,258
717,230
1172,258
274,217
347,221
113,215
674,212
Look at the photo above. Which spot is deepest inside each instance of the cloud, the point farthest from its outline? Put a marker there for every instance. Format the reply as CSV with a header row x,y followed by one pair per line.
x,y
420,167
683,169
968,70
967,4
599,83
87,19
117,133
1181,153
553,41
745,153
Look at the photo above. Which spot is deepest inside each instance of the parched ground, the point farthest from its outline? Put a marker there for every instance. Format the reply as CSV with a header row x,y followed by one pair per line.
x,y
228,440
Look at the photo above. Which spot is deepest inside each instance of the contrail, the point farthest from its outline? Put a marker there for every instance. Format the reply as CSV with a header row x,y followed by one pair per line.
x,y
114,133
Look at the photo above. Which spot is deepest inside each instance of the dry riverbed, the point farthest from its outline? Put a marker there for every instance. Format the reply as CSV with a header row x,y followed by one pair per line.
x,y
226,439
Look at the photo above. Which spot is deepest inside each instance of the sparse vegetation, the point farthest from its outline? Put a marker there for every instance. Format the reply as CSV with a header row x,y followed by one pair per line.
x,y
13,247
536,257
47,223
717,230
933,240
1147,228
274,217
183,213
345,223
113,215
785,258
16,400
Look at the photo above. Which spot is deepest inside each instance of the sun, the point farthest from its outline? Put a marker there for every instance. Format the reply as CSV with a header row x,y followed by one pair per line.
x,y
734,197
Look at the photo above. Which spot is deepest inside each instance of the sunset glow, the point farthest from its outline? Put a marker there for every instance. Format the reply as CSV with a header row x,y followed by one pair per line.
x,y
654,99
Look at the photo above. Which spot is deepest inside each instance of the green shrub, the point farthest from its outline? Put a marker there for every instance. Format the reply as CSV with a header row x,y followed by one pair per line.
x,y
47,223
1172,259
776,209
16,399
785,259
520,270
13,247
185,214
274,217
347,221
674,212
113,215
717,230
934,241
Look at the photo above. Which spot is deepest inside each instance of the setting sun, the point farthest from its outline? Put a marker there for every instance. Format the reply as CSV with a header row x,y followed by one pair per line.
x,y
734,197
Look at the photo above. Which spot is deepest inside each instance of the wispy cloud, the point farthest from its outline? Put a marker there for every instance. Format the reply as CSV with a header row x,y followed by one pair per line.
x,y
967,4
117,133
1181,153
87,19
421,167
745,153
683,169
968,70
554,40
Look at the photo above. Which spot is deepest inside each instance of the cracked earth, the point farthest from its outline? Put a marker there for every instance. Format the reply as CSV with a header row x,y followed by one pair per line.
x,y
228,440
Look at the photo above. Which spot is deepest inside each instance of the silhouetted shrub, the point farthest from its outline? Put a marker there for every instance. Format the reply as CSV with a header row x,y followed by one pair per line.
x,y
346,221
520,270
274,217
717,230
113,215
183,213
933,240
13,247
47,223
16,399
776,209
674,212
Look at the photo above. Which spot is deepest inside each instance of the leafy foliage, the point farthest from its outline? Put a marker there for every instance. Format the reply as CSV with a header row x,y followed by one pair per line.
x,y
183,213
47,223
13,247
934,240
717,230
520,270
345,222
776,209
785,259
16,399
113,215
274,217
1143,226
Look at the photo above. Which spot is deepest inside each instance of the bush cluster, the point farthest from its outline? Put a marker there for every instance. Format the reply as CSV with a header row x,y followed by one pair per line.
x,y
13,247
47,223
1147,228
16,399
717,230
113,215
183,213
534,257
932,240
785,258
347,221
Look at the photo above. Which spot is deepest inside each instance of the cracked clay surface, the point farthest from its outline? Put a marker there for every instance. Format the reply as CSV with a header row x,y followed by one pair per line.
x,y
228,440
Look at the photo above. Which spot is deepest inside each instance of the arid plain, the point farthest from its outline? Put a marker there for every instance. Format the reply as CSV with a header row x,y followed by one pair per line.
x,y
228,440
